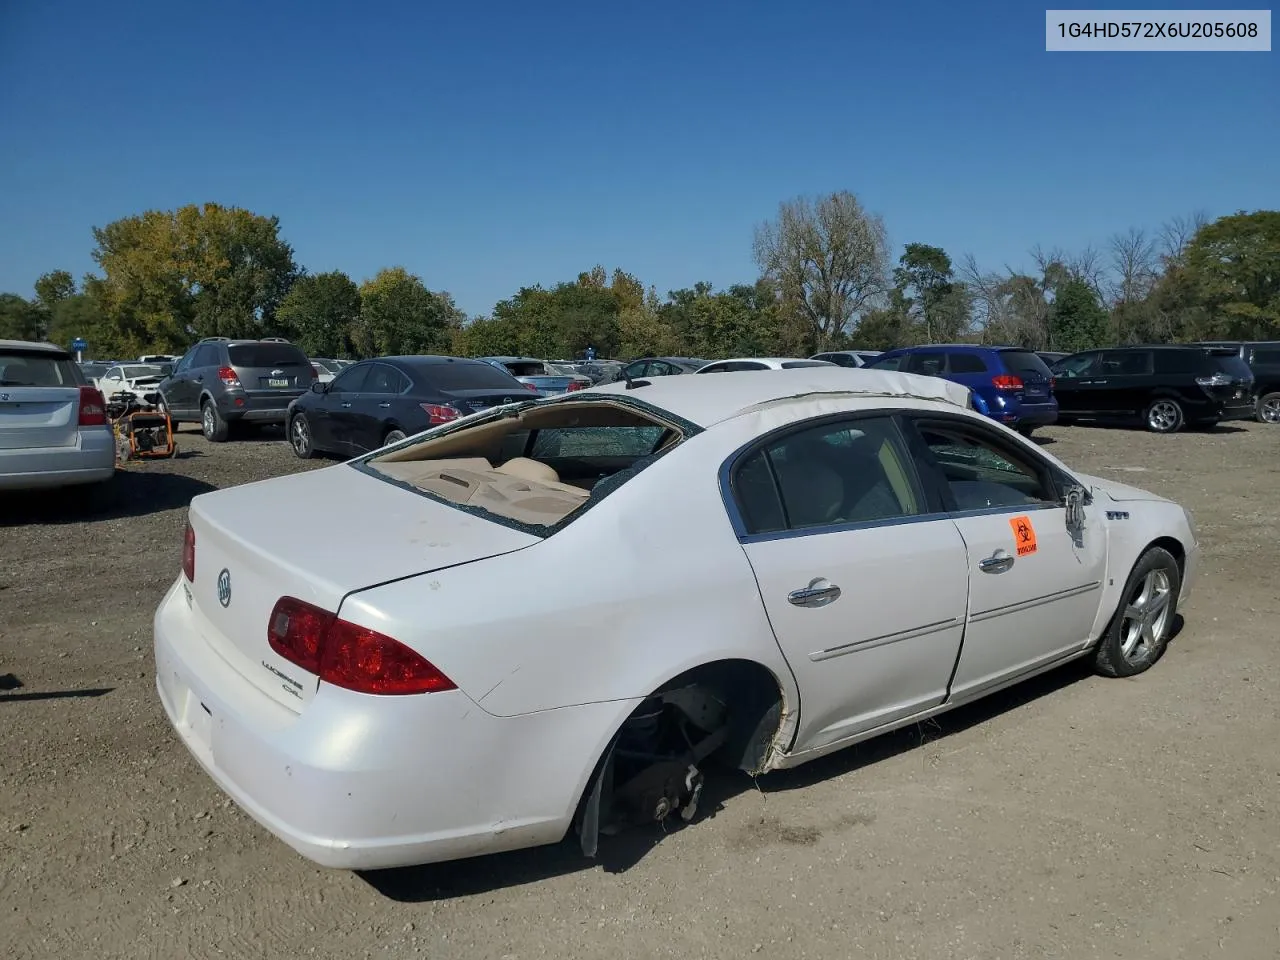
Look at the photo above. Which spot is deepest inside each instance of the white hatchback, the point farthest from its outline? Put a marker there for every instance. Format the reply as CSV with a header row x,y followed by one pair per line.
x,y
552,616
53,423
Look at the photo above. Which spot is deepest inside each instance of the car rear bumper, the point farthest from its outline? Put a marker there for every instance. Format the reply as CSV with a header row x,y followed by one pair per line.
x,y
357,781
91,460
260,409
1235,412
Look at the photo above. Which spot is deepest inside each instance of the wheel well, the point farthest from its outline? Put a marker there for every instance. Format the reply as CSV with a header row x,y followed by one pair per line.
x,y
1175,548
755,701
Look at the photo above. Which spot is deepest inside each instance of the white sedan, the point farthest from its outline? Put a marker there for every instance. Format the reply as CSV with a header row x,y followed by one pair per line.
x,y
741,364
551,616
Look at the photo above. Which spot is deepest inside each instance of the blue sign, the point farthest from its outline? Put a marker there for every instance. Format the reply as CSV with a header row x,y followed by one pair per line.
x,y
78,344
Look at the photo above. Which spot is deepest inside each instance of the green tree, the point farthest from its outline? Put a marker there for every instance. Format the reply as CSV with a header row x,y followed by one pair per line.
x,y
201,270
81,315
1077,321
938,304
399,315
20,319
54,287
828,259
322,314
1232,268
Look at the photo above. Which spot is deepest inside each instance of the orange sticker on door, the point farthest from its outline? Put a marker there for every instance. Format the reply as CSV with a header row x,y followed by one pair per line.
x,y
1024,535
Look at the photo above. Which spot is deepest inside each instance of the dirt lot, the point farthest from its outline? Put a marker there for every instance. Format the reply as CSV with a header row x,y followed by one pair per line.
x,y
1076,817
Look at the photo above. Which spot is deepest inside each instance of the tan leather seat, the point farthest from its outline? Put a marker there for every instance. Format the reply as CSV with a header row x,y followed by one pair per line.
x,y
528,469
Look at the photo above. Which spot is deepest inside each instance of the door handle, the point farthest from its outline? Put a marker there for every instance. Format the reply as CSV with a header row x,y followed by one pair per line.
x,y
998,562
384,406
818,593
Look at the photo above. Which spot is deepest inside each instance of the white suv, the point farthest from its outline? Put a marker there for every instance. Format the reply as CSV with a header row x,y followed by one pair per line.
x,y
53,423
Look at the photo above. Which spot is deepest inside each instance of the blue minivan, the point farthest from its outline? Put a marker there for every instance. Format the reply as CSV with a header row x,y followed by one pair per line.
x,y
1010,384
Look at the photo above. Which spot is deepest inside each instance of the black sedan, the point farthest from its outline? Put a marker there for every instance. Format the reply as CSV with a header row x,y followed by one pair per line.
x,y
376,402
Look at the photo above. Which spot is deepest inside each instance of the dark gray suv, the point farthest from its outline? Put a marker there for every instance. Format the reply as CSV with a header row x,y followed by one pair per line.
x,y
220,383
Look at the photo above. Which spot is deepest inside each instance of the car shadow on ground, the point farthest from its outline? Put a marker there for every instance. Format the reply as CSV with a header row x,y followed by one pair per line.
x,y
619,853
54,695
134,492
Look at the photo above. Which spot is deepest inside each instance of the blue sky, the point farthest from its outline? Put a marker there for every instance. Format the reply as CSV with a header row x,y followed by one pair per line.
x,y
497,145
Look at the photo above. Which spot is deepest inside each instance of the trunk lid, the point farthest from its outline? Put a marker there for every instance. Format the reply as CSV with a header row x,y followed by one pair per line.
x,y
469,401
1037,378
32,417
270,368
315,536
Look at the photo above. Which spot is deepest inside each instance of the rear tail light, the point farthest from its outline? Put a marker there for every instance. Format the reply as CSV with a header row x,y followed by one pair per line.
x,y
440,413
315,372
1006,381
189,554
530,386
228,376
1053,383
347,655
93,408
574,385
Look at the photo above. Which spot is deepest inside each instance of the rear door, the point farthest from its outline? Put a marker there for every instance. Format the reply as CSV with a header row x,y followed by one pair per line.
x,y
39,399
1074,388
832,519
1125,381
272,374
329,421
363,416
1034,586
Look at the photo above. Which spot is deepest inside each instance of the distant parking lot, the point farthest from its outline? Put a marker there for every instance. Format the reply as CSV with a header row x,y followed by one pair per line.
x,y
1070,817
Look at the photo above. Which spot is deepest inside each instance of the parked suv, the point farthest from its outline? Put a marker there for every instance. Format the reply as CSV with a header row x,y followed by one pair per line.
x,y
1010,384
1163,387
222,382
1263,358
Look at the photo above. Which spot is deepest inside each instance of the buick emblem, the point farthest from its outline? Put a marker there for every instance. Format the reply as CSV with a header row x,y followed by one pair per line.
x,y
224,587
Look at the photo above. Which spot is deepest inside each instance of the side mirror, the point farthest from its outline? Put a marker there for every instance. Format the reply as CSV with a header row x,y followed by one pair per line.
x,y
1075,499
318,387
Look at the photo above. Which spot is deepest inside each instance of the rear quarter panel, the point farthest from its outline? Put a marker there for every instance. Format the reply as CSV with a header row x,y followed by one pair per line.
x,y
644,585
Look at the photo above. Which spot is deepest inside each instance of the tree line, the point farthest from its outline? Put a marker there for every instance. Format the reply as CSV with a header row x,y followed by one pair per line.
x,y
825,281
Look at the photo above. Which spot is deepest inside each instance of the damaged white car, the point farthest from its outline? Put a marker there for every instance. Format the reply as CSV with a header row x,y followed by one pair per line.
x,y
552,618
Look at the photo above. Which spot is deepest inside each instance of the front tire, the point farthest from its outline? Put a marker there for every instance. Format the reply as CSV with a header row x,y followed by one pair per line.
x,y
393,436
1269,408
300,438
1164,416
1026,429
214,428
1139,632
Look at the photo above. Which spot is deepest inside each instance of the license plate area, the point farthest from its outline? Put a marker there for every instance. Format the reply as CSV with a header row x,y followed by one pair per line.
x,y
198,720
277,382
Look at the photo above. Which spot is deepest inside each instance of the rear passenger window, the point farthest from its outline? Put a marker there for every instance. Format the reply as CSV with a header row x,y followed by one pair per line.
x,y
928,364
1268,356
967,363
384,379
1126,363
851,471
1175,361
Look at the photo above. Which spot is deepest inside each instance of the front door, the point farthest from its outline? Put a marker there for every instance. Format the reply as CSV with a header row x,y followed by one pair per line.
x,y
1077,394
330,420
865,590
1034,585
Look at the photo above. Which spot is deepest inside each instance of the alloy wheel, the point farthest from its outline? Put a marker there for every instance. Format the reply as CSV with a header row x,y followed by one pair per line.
x,y
1146,617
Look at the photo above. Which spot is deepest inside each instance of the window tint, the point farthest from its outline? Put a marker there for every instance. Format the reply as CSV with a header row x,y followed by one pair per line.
x,y
980,470
1231,365
1079,365
844,472
383,379
351,380
266,355
596,442
869,357
206,355
37,368
1025,363
842,359
967,363
1125,363
1266,355
1176,361
794,364
467,376
888,363
928,364
143,370
526,368
718,368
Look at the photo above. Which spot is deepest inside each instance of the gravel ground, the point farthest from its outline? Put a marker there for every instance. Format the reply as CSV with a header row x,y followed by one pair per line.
x,y
1072,817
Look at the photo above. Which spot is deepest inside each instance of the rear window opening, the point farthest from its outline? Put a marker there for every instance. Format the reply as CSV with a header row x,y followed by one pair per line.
x,y
527,368
449,376
535,466
266,355
37,368
1024,363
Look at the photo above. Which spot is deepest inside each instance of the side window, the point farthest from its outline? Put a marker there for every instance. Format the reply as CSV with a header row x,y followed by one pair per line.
x,y
1126,363
849,471
967,363
928,364
636,370
349,381
206,356
383,379
113,374
890,363
982,471
183,365
1175,361
1081,365
1266,356
717,368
